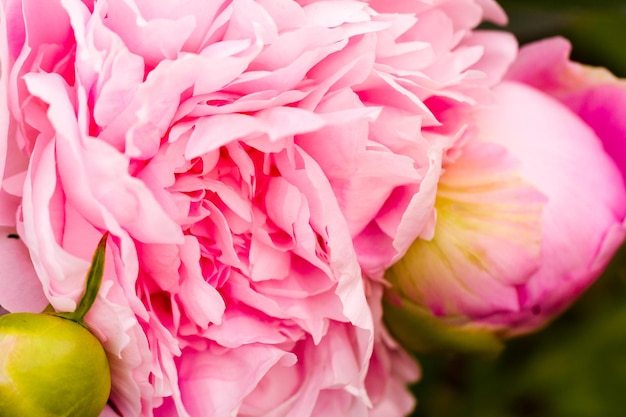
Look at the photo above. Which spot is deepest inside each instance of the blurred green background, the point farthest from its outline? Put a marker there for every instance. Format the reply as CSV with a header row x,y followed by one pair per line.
x,y
596,28
576,367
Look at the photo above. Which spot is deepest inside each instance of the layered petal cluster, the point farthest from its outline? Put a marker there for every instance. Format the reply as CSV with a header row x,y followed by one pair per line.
x,y
427,64
253,162
528,215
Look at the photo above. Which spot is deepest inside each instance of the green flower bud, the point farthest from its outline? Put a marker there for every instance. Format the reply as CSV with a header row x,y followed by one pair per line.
x,y
51,365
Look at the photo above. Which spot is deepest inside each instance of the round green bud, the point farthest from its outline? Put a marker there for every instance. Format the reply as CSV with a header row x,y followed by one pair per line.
x,y
51,367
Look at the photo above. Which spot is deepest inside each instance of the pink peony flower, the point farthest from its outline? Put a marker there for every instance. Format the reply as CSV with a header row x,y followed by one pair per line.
x,y
528,215
253,161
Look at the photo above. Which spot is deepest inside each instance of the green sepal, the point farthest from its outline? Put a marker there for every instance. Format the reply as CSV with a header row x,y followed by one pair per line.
x,y
92,285
49,309
419,331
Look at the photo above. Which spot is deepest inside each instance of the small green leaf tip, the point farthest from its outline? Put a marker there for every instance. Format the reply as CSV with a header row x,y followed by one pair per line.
x,y
92,285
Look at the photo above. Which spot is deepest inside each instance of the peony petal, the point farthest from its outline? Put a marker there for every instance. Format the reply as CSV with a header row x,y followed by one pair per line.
x,y
215,383
202,302
594,94
481,204
20,288
61,274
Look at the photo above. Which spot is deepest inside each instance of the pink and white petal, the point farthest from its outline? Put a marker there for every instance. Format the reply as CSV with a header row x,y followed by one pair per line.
x,y
62,275
500,50
202,303
215,382
594,94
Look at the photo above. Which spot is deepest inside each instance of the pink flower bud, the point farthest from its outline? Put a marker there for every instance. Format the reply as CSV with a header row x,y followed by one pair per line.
x,y
527,217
